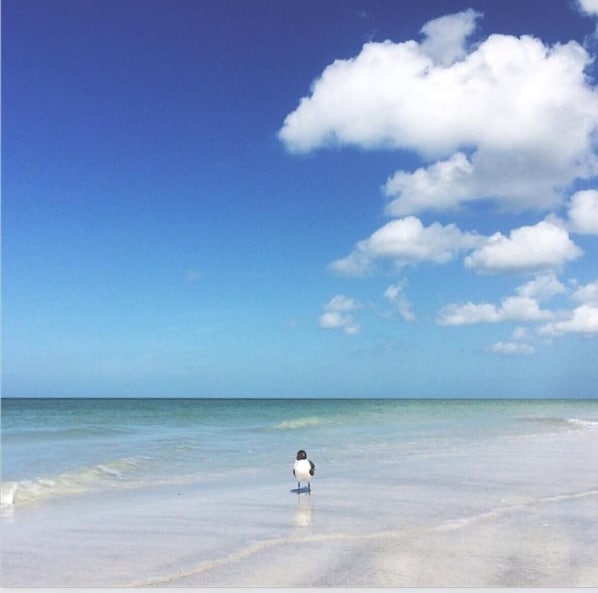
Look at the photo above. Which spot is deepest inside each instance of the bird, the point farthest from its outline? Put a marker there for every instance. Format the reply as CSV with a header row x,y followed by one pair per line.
x,y
303,470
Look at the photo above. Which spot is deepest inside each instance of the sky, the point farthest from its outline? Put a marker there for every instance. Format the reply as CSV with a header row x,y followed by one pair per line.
x,y
223,198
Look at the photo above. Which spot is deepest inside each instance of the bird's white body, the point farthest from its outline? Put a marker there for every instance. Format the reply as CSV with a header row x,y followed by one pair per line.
x,y
303,470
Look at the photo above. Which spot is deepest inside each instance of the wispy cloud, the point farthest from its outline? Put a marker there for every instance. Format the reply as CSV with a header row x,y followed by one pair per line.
x,y
337,315
395,295
511,348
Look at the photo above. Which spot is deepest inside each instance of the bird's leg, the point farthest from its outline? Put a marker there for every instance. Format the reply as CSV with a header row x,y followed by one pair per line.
x,y
309,487
298,487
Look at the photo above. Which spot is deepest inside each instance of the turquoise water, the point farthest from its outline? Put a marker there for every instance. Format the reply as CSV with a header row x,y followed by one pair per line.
x,y
54,446
222,469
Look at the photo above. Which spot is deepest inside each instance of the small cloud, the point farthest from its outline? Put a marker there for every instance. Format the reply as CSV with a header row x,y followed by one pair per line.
x,y
406,241
583,212
521,334
588,7
543,246
337,315
440,186
468,314
514,308
587,294
445,37
542,287
395,295
341,303
511,348
583,320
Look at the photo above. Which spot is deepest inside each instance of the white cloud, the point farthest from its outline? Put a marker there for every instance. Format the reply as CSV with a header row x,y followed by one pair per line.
x,y
583,320
395,295
542,287
440,186
527,249
589,7
407,241
509,92
514,308
509,119
337,315
583,212
445,37
587,294
468,313
341,304
511,348
524,110
518,179
522,308
521,333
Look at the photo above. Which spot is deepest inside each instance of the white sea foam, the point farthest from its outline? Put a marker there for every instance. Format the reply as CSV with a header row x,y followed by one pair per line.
x,y
82,480
7,494
585,424
300,423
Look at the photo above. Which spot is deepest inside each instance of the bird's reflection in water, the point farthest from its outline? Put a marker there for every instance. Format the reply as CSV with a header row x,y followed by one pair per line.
x,y
303,512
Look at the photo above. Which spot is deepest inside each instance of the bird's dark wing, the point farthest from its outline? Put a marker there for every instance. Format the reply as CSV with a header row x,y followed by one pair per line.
x,y
312,469
294,473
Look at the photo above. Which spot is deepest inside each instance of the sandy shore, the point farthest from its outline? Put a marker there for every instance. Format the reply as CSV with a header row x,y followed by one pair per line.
x,y
266,537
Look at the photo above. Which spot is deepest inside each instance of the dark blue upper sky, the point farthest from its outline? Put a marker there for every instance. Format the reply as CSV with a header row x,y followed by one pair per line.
x,y
169,228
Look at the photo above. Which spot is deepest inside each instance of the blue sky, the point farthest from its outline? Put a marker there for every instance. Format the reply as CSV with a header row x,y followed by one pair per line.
x,y
325,199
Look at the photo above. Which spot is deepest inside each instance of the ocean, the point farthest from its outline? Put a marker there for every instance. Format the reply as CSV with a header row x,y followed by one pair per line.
x,y
200,492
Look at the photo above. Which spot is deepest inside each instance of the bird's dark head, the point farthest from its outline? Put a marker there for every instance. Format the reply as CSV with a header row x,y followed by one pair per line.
x,y
301,454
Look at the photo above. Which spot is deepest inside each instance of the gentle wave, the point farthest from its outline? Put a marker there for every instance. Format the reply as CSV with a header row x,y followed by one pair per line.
x,y
559,424
299,423
586,424
79,432
88,479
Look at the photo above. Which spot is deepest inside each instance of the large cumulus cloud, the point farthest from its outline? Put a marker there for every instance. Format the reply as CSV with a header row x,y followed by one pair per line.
x,y
510,119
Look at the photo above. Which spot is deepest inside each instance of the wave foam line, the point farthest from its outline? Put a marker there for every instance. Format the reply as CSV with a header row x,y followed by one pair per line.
x,y
513,508
587,424
210,564
299,423
75,482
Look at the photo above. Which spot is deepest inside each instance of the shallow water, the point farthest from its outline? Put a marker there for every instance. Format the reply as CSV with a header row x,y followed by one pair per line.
x,y
200,493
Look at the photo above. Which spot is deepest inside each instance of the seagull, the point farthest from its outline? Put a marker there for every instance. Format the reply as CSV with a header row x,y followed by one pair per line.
x,y
303,470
